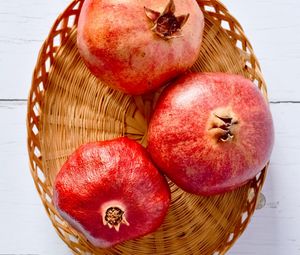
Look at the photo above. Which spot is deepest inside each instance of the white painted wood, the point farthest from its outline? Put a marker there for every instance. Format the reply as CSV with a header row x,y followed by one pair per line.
x,y
272,26
25,228
23,27
24,225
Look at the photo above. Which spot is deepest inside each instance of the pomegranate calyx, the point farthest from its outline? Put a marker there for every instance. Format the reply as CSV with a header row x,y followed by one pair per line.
x,y
223,127
114,217
166,24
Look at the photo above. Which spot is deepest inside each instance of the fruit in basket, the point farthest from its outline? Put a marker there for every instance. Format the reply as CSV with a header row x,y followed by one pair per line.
x,y
137,46
111,192
211,132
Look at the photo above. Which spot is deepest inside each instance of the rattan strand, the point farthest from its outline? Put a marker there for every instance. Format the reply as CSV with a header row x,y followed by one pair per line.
x,y
67,107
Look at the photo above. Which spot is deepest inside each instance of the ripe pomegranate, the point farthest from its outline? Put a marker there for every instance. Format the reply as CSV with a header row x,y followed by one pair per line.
x,y
211,132
137,46
111,192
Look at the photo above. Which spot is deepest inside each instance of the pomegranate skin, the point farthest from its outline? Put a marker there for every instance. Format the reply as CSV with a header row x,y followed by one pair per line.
x,y
101,177
211,132
118,46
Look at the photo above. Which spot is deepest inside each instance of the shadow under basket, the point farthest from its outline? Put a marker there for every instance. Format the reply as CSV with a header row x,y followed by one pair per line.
x,y
68,106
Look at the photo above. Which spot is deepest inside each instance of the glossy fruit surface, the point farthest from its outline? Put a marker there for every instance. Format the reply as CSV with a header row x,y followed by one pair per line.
x,y
111,192
138,46
211,132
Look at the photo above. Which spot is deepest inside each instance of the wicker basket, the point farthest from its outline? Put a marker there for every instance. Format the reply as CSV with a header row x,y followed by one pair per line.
x,y
67,106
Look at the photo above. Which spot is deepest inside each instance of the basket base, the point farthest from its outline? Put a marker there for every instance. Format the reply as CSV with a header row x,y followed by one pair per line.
x,y
75,108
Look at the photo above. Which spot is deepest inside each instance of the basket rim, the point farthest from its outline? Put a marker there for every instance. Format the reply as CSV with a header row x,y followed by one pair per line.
x,y
43,50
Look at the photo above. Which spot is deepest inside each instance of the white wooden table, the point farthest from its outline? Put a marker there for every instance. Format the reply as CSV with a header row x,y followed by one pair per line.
x,y
273,27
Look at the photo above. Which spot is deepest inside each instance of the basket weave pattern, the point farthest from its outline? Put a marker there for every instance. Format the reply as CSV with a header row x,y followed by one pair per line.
x,y
67,106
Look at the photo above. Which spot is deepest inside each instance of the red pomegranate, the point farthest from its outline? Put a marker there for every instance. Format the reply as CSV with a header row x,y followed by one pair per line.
x,y
211,132
111,192
137,46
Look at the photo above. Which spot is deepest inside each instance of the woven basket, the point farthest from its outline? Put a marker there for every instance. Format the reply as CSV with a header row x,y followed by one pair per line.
x,y
67,107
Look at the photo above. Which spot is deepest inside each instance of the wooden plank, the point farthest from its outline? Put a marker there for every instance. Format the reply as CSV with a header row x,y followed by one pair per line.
x,y
25,228
23,27
272,27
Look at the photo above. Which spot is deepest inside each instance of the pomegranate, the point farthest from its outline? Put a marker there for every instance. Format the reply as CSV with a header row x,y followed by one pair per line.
x,y
211,132
111,192
137,46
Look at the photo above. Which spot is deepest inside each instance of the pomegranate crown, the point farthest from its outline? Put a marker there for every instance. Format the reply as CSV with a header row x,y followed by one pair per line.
x,y
166,24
